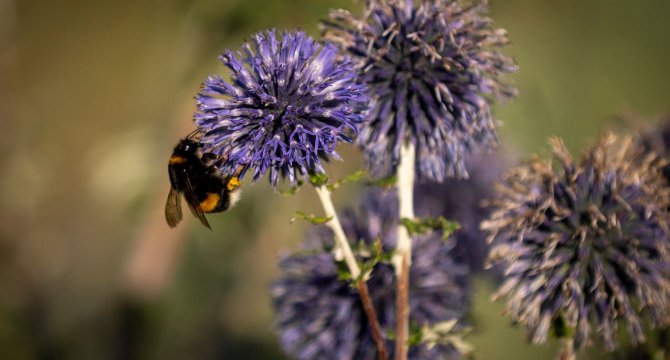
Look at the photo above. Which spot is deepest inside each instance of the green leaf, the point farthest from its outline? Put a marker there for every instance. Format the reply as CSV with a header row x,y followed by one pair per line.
x,y
447,333
373,255
386,183
429,224
316,220
318,179
343,273
293,190
415,335
355,177
321,179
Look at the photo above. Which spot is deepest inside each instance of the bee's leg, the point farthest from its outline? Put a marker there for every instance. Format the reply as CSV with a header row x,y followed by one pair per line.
x,y
210,159
233,183
240,169
220,161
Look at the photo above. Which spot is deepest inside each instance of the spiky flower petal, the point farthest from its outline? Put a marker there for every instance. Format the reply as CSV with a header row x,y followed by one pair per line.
x,y
434,70
321,317
585,245
287,107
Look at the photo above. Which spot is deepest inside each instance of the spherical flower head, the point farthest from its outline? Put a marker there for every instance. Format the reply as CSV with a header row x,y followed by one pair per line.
x,y
584,245
289,102
433,71
320,316
462,200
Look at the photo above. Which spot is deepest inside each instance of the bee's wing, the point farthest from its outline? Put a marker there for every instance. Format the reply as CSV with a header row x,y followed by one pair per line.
x,y
194,204
173,213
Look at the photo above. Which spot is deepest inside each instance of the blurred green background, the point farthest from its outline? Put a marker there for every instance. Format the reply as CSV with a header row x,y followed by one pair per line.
x,y
94,94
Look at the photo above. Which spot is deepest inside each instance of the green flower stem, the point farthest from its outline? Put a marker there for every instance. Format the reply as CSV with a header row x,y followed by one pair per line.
x,y
403,258
567,349
344,252
343,249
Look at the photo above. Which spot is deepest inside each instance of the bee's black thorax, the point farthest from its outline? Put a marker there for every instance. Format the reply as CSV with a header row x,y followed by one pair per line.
x,y
185,164
195,176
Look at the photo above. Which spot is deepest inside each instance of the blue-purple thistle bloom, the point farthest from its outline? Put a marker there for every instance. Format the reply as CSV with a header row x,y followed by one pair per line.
x,y
321,317
585,245
286,108
433,70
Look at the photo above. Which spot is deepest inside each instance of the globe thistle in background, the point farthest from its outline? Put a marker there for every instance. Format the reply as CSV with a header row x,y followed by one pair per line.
x,y
654,138
584,245
433,70
286,108
320,316
461,200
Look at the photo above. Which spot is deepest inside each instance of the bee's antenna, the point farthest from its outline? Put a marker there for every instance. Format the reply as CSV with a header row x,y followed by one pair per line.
x,y
240,170
192,134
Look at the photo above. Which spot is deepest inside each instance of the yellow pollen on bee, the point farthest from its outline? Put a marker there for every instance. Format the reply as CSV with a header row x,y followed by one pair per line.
x,y
210,203
233,183
176,159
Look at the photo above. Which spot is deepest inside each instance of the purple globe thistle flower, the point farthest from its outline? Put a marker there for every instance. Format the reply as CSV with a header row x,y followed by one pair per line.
x,y
287,107
433,70
584,245
321,316
461,200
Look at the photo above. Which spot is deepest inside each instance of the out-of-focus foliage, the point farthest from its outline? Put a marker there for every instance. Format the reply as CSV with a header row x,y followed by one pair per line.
x,y
93,95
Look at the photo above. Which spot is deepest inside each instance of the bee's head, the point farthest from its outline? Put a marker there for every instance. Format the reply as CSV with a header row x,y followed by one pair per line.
x,y
187,146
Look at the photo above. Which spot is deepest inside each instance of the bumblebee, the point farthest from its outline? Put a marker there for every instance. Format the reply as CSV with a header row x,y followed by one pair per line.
x,y
195,176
